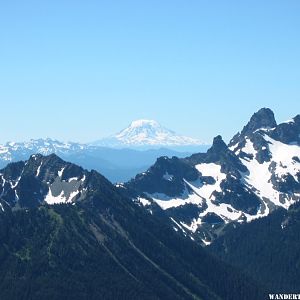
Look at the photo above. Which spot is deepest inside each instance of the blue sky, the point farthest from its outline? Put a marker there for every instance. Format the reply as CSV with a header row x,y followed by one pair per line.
x,y
81,70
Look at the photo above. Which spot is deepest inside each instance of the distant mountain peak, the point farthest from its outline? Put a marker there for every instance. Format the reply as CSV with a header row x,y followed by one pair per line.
x,y
144,122
143,133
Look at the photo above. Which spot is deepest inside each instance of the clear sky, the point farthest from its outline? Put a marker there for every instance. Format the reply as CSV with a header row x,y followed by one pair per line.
x,y
81,70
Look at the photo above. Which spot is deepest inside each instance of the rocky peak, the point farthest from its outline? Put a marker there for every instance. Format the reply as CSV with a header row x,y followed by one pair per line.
x,y
219,144
217,149
220,153
264,118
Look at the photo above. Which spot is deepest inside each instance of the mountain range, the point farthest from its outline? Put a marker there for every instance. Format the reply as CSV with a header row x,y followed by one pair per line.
x,y
203,194
118,161
67,233
221,224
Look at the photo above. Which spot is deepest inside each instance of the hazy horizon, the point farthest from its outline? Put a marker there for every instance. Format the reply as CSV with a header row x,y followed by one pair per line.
x,y
82,71
112,134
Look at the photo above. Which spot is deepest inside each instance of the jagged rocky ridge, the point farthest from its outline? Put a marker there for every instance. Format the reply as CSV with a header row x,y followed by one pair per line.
x,y
92,242
42,179
258,171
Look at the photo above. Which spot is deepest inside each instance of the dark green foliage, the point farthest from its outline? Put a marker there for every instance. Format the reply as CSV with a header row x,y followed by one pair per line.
x,y
103,246
47,257
267,249
95,251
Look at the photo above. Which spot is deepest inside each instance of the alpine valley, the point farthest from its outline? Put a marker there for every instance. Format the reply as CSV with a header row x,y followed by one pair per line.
x,y
223,224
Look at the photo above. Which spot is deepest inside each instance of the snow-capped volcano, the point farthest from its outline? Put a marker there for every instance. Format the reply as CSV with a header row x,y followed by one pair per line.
x,y
147,133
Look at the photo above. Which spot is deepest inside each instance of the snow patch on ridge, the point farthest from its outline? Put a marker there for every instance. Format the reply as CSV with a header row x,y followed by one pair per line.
x,y
144,201
50,199
72,179
259,176
61,172
166,202
61,198
38,170
210,170
283,155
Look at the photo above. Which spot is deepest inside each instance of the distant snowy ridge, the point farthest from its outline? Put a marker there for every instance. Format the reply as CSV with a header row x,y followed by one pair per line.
x,y
117,164
147,133
13,151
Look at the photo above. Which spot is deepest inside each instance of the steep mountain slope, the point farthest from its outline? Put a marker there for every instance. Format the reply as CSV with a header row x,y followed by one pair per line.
x,y
42,179
147,133
266,249
257,172
118,165
97,243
